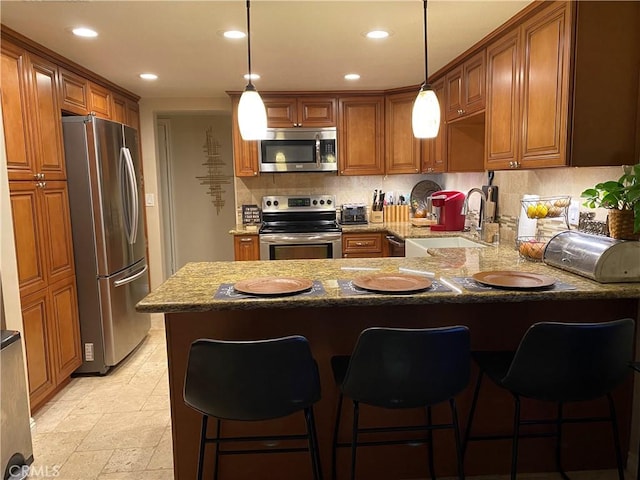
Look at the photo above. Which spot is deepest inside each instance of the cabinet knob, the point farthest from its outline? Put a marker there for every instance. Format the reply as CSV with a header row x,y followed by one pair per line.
x,y
255,173
41,184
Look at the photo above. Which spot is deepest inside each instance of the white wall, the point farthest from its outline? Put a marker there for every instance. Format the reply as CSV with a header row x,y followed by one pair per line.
x,y
200,228
150,108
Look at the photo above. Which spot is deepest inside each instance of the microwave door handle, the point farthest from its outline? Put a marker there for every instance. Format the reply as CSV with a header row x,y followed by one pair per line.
x,y
318,151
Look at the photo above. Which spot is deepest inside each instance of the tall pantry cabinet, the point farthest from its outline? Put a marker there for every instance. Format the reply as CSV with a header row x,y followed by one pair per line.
x,y
41,221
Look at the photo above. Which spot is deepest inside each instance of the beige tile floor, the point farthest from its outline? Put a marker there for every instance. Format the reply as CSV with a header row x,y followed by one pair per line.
x,y
117,427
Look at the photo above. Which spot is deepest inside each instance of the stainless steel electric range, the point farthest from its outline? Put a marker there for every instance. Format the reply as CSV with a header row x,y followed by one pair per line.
x,y
299,227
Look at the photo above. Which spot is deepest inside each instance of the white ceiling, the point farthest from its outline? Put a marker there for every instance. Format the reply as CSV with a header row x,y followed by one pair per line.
x,y
296,45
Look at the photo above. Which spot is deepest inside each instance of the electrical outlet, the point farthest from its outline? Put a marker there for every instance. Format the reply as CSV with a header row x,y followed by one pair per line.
x,y
88,352
149,200
574,212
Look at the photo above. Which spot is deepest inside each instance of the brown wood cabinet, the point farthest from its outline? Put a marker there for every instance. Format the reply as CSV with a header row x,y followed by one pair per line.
x,y
31,116
402,149
362,245
42,230
305,111
547,104
361,135
100,101
246,247
52,338
434,150
465,88
74,92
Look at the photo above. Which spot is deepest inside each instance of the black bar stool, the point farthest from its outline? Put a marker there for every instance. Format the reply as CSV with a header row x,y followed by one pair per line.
x,y
560,363
402,368
636,367
253,380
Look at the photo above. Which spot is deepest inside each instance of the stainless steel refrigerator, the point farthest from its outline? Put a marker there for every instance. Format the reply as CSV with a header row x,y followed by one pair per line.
x,y
109,244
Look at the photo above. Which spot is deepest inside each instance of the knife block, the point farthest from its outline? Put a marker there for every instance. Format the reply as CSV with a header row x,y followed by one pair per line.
x,y
376,216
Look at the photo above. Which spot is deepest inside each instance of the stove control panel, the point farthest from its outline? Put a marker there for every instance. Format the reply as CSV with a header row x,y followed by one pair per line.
x,y
298,203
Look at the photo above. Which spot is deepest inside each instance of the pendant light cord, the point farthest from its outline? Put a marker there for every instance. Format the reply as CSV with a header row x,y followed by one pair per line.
x,y
249,40
426,68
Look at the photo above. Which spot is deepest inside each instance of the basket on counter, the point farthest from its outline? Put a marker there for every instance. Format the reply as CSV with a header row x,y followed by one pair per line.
x,y
532,248
548,207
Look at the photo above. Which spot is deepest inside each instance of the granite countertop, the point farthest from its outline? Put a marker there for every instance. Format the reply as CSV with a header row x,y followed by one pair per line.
x,y
193,288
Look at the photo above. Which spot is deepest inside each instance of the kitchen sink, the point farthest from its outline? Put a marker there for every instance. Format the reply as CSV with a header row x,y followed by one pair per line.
x,y
417,247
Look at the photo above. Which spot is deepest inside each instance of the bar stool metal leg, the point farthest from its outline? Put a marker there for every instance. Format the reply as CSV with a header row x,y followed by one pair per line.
x,y
203,436
313,443
432,469
456,432
559,443
334,446
516,434
218,445
354,439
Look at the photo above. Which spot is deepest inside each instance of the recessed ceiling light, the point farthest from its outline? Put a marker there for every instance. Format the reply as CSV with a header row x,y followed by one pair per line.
x,y
234,34
352,76
84,32
254,76
377,34
148,76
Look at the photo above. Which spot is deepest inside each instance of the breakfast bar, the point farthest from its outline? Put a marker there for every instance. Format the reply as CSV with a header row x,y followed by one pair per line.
x,y
199,301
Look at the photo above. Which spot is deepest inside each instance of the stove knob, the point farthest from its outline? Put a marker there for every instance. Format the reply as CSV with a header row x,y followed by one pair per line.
x,y
315,202
328,202
268,203
321,202
275,203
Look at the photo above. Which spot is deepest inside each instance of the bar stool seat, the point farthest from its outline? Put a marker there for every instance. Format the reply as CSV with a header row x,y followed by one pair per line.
x,y
253,380
397,368
560,363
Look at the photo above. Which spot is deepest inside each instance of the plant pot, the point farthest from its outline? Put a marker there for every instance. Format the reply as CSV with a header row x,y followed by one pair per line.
x,y
621,225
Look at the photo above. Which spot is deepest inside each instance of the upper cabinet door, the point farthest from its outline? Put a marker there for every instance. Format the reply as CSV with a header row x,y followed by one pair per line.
x,y
15,116
546,48
308,111
74,92
502,132
465,88
361,135
402,149
317,111
100,101
46,124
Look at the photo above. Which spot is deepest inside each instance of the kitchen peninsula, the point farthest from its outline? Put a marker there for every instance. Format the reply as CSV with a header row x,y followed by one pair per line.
x,y
331,317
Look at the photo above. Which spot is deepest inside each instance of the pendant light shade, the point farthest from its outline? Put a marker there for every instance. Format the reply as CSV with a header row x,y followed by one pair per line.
x,y
425,118
252,116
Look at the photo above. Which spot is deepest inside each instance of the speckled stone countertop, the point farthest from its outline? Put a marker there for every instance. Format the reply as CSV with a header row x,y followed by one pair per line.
x,y
193,287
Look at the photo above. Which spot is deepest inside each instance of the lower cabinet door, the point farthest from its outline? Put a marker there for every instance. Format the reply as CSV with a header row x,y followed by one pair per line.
x,y
65,328
35,311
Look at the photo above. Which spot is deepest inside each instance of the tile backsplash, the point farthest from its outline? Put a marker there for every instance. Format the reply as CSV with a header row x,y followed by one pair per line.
x,y
512,185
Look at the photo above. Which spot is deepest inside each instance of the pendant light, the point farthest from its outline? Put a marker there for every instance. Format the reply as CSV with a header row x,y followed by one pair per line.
x,y
252,116
425,118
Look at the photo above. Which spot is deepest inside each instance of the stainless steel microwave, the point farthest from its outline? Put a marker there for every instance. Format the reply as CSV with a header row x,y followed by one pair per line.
x,y
299,150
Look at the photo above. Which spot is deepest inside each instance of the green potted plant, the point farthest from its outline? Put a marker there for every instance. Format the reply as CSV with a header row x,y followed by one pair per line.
x,y
622,199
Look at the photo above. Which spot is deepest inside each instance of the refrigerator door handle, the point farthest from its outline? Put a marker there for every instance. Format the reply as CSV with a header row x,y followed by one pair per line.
x,y
135,276
132,231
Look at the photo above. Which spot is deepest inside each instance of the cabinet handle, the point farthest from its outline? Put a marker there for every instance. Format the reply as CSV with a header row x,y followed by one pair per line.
x,y
41,184
246,240
38,176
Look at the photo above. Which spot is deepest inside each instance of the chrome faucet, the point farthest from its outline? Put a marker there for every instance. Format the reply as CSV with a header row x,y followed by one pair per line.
x,y
465,209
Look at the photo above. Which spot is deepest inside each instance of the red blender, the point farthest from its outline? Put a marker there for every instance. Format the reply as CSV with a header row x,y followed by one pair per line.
x,y
447,205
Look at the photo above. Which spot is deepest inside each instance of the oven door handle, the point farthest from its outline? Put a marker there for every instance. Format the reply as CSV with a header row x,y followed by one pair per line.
x,y
283,238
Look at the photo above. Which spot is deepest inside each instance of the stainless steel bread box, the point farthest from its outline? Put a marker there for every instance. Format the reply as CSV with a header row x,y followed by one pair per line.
x,y
599,258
